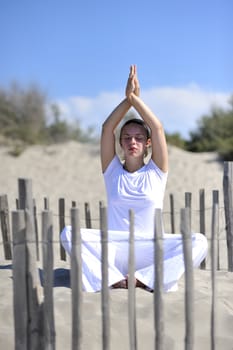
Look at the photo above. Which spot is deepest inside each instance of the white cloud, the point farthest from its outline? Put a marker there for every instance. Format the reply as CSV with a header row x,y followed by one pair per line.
x,y
178,108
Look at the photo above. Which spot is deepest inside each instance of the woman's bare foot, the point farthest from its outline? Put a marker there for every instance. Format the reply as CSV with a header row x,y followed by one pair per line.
x,y
139,284
123,284
143,286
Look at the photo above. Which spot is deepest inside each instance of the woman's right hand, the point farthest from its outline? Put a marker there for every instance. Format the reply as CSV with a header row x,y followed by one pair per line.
x,y
136,82
132,83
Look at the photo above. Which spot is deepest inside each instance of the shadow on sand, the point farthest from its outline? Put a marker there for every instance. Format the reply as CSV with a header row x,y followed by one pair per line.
x,y
61,277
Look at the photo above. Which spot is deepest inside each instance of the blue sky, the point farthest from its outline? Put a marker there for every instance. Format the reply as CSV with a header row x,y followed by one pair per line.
x,y
79,53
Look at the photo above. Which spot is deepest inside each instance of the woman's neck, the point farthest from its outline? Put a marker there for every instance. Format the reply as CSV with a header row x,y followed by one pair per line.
x,y
131,167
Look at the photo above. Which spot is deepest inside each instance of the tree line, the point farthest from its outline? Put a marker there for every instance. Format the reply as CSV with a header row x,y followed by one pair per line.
x,y
213,133
27,117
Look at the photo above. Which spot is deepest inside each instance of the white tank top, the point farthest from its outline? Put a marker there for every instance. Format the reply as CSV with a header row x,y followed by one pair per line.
x,y
141,191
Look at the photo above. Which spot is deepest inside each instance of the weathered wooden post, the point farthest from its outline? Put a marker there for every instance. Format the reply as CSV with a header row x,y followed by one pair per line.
x,y
189,284
61,209
88,215
26,203
173,230
19,279
158,284
214,235
32,285
46,203
216,203
76,280
36,230
48,326
188,204
228,204
105,288
131,287
202,218
5,226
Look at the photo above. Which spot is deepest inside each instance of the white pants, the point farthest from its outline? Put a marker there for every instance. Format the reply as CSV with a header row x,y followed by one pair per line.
x,y
144,257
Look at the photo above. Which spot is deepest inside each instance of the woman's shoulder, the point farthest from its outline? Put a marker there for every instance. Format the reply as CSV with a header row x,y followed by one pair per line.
x,y
113,165
151,165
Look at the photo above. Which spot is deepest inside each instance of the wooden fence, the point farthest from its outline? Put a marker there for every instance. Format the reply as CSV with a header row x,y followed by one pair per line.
x,y
34,316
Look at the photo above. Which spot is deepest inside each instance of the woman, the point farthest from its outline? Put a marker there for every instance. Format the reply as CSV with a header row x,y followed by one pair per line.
x,y
138,185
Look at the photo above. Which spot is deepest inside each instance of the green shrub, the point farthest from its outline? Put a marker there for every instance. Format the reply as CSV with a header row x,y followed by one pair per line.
x,y
214,133
27,117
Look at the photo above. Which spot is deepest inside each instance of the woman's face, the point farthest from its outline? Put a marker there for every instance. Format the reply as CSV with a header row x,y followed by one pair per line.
x,y
134,140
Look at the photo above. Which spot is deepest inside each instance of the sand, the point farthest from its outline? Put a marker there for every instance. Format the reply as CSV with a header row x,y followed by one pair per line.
x,y
72,171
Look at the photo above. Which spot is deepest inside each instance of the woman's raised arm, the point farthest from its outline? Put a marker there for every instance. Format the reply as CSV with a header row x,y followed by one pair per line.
x,y
107,145
108,150
158,139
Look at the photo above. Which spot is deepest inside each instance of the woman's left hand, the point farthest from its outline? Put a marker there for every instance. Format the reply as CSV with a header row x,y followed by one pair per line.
x,y
136,82
132,83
